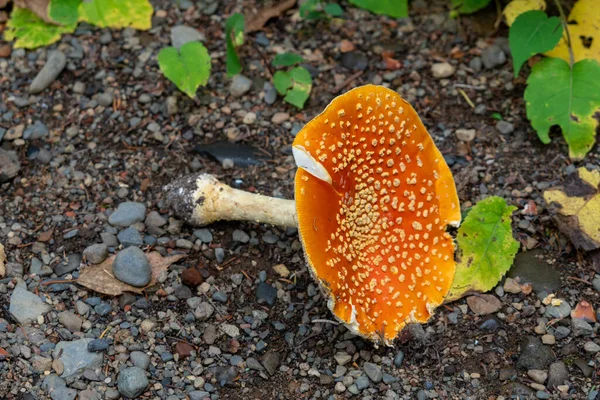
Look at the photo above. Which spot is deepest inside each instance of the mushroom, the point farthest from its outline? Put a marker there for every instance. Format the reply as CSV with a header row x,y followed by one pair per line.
x,y
374,197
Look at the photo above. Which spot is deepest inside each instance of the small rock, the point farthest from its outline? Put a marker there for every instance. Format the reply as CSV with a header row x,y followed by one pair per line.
x,y
537,375
354,61
271,361
465,135
282,270
96,253
192,277
210,334
54,65
548,339
132,382
127,213
373,371
557,374
36,131
591,347
534,355
240,85
484,304
581,327
105,99
97,345
339,387
132,267
25,306
504,127
9,165
442,70
511,286
240,236
342,358
75,357
70,321
230,330
270,93
280,117
493,56
561,311
140,359
182,34
267,293
204,235
561,332
398,358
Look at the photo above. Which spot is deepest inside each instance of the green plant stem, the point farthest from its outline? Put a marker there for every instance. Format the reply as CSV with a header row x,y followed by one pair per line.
x,y
565,24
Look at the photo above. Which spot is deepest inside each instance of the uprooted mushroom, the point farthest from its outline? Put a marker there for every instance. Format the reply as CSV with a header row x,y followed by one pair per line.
x,y
374,197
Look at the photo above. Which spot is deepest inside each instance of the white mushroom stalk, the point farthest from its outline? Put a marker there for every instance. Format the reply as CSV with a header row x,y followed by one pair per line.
x,y
200,200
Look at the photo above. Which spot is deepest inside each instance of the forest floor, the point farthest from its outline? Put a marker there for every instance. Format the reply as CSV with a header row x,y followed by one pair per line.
x,y
111,129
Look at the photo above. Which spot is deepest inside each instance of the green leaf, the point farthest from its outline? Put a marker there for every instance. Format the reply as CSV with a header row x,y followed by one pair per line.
x,y
469,6
531,33
282,82
187,68
557,95
30,31
392,8
310,10
136,14
487,248
287,60
333,9
301,86
234,38
65,12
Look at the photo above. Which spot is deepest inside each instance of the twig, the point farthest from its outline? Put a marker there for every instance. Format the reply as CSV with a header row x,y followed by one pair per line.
x,y
566,26
326,321
347,81
465,86
574,278
467,99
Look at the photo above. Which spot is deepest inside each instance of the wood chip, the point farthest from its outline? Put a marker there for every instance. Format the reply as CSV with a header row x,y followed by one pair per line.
x,y
2,261
100,277
258,20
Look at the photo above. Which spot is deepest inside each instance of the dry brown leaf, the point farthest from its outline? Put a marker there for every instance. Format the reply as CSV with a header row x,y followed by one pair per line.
x,y
39,8
258,20
2,261
100,277
584,310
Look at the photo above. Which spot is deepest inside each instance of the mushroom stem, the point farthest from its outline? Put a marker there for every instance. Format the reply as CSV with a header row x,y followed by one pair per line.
x,y
200,199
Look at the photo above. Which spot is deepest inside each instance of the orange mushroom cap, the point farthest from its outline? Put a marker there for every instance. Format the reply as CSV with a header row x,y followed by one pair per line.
x,y
374,197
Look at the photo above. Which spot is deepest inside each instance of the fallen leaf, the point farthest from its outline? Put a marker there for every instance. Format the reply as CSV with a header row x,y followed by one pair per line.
x,y
390,62
584,29
518,7
584,310
2,261
258,20
100,277
576,208
38,7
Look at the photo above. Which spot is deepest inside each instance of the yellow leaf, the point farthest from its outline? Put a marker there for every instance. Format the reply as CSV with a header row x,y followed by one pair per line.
x,y
576,205
584,27
518,7
135,14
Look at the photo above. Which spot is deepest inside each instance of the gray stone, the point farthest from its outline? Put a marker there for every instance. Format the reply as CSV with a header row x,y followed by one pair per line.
x,y
75,357
271,361
198,395
476,64
44,156
561,311
25,306
41,364
530,268
504,127
373,371
534,354
591,347
70,321
203,311
581,327
132,382
132,267
105,99
55,63
493,56
63,393
97,345
9,165
561,332
96,253
362,382
267,293
596,283
240,85
240,236
36,131
442,70
398,358
557,375
204,235
270,93
130,237
140,359
182,34
127,213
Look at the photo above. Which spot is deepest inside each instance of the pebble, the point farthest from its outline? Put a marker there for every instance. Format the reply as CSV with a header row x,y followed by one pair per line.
x,y
97,345
465,135
204,235
132,267
484,304
132,382
534,354
240,236
140,359
354,61
36,131
280,117
75,357
561,332
342,358
281,270
240,85
581,327
25,306
591,347
537,375
55,63
182,34
270,94
127,214
70,321
557,374
504,127
548,339
493,56
105,99
373,371
9,165
230,330
249,118
596,283
442,70
398,359
476,64
267,293
561,311
511,286
96,253
339,387
271,361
